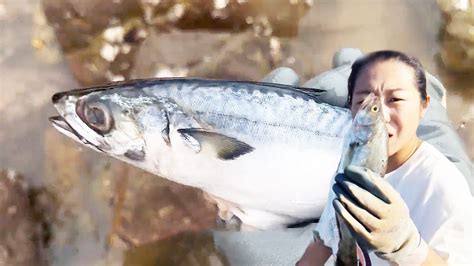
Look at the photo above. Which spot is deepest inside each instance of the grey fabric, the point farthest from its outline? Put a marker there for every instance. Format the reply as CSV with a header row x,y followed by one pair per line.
x,y
435,88
275,247
436,129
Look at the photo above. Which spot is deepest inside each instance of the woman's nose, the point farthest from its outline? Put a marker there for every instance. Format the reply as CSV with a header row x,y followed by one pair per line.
x,y
386,113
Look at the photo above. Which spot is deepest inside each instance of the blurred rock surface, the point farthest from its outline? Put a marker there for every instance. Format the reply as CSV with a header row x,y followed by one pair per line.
x,y
105,206
457,35
100,38
185,249
457,65
156,209
21,234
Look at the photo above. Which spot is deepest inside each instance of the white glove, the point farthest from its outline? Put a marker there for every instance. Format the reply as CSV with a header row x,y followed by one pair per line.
x,y
377,216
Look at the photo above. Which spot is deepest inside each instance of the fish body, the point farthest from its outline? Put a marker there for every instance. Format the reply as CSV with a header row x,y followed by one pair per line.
x,y
366,146
271,150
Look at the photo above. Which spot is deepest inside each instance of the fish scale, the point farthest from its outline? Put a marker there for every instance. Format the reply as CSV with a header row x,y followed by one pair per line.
x,y
256,106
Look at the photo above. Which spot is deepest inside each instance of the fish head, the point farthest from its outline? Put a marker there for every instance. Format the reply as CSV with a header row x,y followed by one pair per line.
x,y
108,120
369,137
369,119
370,111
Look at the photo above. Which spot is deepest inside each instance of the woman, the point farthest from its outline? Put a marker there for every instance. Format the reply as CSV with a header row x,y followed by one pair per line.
x,y
419,212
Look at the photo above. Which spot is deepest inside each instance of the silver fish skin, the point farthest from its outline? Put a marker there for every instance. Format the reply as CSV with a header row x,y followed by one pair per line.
x,y
366,146
271,150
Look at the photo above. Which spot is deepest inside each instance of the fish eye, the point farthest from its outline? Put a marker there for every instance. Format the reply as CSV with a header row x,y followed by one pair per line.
x,y
375,109
97,116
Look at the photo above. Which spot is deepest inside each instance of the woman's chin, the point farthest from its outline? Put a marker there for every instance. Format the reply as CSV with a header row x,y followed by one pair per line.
x,y
392,147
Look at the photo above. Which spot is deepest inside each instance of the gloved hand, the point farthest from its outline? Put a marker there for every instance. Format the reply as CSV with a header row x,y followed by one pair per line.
x,y
377,216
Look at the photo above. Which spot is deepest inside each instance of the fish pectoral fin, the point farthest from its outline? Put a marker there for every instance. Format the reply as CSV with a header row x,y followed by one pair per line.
x,y
225,147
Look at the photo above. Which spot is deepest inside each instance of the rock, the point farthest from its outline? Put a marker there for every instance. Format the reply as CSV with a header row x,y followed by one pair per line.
x,y
105,206
77,22
43,39
159,53
156,209
277,17
183,249
457,35
455,57
100,38
21,237
244,56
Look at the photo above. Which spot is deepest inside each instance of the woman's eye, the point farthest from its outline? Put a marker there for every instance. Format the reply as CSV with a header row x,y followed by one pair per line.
x,y
395,99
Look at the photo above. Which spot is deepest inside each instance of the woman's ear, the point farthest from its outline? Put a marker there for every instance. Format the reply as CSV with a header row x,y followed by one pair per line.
x,y
424,106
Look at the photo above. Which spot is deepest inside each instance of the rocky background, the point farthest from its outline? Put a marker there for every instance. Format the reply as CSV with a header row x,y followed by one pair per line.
x,y
116,40
72,206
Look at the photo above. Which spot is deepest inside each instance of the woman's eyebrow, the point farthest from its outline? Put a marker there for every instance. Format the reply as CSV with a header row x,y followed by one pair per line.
x,y
394,89
359,92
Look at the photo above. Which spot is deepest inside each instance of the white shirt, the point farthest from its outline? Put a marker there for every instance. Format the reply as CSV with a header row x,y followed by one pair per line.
x,y
439,201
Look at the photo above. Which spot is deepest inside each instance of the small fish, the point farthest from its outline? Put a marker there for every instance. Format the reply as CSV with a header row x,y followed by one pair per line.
x,y
256,145
366,146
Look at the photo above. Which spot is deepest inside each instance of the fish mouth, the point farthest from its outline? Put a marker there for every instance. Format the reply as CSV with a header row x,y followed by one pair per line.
x,y
59,121
63,126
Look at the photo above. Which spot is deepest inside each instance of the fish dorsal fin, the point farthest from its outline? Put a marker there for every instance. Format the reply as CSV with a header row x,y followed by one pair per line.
x,y
225,147
312,92
317,93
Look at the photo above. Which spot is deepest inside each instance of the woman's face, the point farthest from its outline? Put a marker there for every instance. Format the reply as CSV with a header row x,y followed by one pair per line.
x,y
402,107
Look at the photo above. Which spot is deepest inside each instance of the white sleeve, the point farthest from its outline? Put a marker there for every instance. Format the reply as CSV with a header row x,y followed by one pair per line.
x,y
448,216
453,241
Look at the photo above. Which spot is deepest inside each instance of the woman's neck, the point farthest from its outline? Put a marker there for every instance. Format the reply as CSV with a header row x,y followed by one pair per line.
x,y
400,157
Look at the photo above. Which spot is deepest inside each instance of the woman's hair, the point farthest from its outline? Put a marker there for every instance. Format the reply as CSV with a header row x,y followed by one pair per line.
x,y
381,56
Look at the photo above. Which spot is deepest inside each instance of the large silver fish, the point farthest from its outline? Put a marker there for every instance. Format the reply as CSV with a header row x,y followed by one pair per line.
x,y
270,150
366,146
